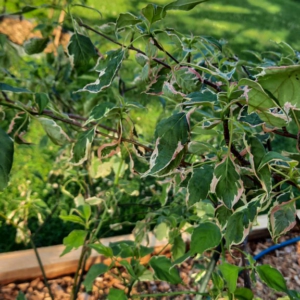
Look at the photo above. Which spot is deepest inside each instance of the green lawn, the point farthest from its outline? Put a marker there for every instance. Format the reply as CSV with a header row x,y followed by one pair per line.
x,y
249,24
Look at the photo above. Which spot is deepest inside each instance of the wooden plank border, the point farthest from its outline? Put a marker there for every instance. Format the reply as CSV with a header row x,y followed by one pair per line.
x,y
23,265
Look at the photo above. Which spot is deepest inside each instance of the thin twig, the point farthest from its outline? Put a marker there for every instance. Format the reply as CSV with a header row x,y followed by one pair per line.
x,y
233,150
163,50
80,23
285,133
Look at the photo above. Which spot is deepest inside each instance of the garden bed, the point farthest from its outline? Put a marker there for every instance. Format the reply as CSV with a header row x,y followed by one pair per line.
x,y
22,264
286,259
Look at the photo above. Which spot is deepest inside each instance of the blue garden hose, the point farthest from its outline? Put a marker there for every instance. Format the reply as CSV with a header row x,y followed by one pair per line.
x,y
277,246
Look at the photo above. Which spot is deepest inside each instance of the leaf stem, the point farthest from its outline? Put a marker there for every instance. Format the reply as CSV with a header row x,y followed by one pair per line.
x,y
209,271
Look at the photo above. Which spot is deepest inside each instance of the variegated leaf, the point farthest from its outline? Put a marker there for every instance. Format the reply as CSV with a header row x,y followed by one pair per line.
x,y
199,184
172,135
282,218
82,147
108,69
188,79
226,182
240,222
101,111
266,107
54,131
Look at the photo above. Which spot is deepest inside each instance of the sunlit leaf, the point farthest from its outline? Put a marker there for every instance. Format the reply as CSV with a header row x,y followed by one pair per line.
x,y
153,13
74,240
183,4
126,19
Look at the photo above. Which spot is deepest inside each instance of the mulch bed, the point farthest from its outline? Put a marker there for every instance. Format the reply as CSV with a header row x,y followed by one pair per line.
x,y
286,260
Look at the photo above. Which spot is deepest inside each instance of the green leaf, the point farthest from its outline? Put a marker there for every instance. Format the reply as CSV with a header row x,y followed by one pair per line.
x,y
226,182
206,97
42,101
240,222
128,268
101,111
272,278
21,296
183,4
251,119
81,148
178,247
259,101
205,237
283,83
73,219
153,13
101,249
8,88
161,231
275,156
35,45
81,49
169,92
115,294
74,240
92,274
84,211
163,271
282,218
171,136
256,154
127,19
243,294
188,79
54,131
223,214
199,184
108,69
230,274
6,158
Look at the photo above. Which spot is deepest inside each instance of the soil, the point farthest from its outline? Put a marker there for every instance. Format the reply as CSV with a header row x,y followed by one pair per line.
x,y
286,260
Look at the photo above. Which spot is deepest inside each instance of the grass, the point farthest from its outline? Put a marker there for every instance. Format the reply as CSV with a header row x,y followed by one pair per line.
x,y
249,24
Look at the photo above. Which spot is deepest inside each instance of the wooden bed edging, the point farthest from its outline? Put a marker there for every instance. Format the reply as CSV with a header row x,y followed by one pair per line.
x,y
23,265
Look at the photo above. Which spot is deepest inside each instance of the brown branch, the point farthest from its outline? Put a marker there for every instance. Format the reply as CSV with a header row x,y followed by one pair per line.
x,y
131,47
163,50
285,133
80,23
